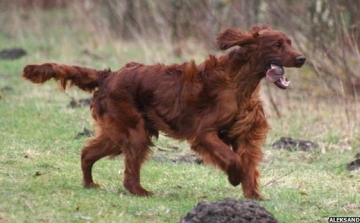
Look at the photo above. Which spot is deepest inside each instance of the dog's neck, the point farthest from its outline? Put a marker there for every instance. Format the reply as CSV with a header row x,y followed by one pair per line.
x,y
246,76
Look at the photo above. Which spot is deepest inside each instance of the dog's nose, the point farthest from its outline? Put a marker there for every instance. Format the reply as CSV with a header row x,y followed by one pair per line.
x,y
300,59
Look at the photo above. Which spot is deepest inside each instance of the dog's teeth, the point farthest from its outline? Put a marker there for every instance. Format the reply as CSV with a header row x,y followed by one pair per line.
x,y
286,82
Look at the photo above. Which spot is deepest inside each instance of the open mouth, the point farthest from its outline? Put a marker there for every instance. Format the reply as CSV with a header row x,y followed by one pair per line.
x,y
275,74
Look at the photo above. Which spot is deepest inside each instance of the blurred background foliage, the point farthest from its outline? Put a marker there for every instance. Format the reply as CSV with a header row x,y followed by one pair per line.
x,y
326,31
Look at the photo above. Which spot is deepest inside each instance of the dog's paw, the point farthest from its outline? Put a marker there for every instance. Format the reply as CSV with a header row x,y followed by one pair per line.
x,y
234,175
144,193
254,195
138,191
92,185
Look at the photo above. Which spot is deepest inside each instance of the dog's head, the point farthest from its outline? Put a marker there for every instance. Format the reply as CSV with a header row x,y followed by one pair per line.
x,y
270,49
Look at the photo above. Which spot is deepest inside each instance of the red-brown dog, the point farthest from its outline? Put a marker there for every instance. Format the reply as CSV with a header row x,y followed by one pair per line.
x,y
215,105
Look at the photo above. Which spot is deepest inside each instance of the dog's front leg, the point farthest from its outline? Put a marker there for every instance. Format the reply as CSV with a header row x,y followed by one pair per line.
x,y
216,152
250,156
247,144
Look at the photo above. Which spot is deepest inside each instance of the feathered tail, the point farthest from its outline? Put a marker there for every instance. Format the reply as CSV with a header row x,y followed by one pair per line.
x,y
86,79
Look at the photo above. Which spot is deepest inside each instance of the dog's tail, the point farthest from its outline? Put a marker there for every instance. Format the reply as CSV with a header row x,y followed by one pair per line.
x,y
86,79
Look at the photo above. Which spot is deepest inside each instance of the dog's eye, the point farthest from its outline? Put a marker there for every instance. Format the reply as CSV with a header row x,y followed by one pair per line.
x,y
277,45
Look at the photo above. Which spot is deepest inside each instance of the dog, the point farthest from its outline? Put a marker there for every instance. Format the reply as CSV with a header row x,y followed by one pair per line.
x,y
214,106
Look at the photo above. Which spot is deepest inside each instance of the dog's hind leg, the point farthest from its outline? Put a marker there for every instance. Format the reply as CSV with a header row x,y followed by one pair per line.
x,y
96,148
127,130
136,152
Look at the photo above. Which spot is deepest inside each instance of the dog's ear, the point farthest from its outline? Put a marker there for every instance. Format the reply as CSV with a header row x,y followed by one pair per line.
x,y
234,37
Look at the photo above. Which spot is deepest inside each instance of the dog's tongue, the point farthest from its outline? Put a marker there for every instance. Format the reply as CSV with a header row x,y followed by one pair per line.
x,y
275,75
282,83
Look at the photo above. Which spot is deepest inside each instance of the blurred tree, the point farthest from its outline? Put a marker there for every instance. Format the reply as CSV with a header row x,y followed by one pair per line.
x,y
352,7
122,16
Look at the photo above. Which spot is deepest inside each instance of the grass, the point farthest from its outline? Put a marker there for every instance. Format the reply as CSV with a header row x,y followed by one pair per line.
x,y
40,172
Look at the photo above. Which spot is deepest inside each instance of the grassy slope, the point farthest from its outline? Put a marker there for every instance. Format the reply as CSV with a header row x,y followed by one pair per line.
x,y
39,157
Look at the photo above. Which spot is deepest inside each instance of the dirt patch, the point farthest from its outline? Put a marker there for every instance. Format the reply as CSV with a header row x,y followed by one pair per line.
x,y
188,158
294,144
85,133
354,165
79,103
12,54
5,89
92,55
229,211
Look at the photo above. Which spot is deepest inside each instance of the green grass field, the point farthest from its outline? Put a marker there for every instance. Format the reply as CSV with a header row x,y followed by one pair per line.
x,y
40,172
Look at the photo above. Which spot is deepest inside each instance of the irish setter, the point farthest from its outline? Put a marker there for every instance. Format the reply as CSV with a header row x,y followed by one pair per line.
x,y
214,106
